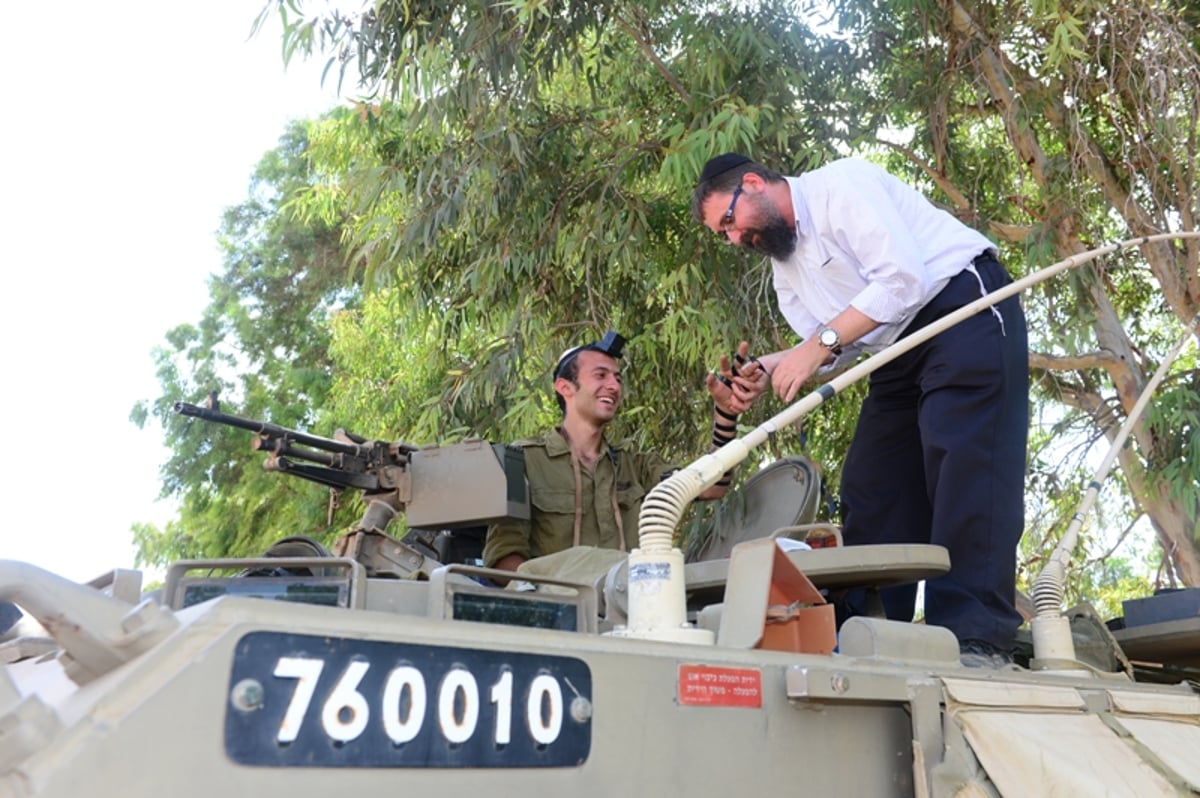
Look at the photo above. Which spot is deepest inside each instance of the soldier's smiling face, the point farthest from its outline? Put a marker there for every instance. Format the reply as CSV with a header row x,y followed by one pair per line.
x,y
598,392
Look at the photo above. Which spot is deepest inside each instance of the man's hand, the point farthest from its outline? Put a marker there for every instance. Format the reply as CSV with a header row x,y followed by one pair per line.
x,y
796,368
738,382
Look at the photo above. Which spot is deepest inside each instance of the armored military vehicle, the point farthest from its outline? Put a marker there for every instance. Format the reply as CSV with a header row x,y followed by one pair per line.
x,y
378,668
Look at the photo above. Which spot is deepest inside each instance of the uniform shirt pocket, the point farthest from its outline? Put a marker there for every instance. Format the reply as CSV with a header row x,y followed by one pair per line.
x,y
554,502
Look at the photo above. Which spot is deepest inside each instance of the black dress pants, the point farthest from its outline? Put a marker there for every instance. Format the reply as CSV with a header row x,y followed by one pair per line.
x,y
939,457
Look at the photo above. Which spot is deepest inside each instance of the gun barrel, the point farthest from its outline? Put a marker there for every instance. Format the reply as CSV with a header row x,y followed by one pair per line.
x,y
267,429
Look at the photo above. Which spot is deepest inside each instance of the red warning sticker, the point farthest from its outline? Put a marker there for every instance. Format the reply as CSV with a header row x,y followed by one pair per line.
x,y
708,686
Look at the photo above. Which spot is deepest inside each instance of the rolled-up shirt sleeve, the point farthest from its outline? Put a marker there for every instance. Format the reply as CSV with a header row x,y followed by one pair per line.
x,y
892,300
505,538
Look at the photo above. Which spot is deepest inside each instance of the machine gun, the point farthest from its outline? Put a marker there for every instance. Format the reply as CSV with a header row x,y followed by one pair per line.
x,y
457,486
344,461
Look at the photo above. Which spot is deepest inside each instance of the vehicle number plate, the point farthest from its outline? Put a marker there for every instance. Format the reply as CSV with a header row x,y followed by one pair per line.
x,y
308,701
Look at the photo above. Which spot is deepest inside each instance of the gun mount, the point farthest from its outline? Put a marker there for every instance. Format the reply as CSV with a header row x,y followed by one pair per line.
x,y
439,488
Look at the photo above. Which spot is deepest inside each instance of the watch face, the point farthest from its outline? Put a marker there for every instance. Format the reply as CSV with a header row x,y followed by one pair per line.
x,y
828,338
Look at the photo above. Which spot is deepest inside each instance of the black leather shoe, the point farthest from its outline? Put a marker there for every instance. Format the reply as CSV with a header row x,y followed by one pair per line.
x,y
982,654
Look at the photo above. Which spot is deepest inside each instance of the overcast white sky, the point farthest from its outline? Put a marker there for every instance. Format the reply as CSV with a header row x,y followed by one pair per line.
x,y
128,128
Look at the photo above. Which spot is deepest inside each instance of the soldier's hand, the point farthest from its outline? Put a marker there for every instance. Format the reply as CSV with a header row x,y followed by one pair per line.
x,y
738,381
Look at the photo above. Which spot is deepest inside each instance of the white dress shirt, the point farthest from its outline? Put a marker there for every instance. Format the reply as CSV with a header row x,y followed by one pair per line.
x,y
868,239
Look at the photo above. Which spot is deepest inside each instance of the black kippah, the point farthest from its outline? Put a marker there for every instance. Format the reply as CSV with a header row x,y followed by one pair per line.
x,y
722,164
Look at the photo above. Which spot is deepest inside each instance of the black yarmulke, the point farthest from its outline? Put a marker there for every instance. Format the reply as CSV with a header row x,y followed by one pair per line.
x,y
721,164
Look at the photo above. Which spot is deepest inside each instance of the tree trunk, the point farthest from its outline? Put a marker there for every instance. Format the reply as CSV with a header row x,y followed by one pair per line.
x,y
1012,91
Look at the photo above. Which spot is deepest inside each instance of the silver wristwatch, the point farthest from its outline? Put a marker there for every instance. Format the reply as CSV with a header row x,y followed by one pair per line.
x,y
829,338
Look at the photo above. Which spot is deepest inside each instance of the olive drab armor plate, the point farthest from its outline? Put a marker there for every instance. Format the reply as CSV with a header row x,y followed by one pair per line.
x,y
306,676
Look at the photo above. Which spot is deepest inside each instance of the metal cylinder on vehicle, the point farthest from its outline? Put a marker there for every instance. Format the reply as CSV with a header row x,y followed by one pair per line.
x,y
1052,638
657,599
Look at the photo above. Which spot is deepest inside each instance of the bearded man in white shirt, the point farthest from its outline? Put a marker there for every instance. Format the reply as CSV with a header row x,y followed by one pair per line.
x,y
860,259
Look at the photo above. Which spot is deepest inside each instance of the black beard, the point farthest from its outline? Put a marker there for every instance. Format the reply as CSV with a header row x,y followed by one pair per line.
x,y
776,239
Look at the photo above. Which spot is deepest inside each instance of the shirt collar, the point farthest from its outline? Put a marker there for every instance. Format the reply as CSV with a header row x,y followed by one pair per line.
x,y
800,206
557,446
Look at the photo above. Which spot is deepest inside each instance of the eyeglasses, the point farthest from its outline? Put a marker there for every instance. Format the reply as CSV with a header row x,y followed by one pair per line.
x,y
727,219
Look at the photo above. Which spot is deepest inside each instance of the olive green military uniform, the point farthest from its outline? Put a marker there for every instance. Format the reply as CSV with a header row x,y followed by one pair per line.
x,y
626,474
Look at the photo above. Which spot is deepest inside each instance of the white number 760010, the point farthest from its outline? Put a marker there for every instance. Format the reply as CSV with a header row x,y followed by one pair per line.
x,y
345,712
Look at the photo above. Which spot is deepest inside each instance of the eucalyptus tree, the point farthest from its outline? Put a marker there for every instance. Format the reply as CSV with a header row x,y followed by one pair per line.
x,y
521,180
1066,124
533,159
262,345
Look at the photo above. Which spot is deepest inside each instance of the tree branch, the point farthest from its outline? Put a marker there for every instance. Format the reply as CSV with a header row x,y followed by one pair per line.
x,y
641,39
957,197
1085,360
1013,234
